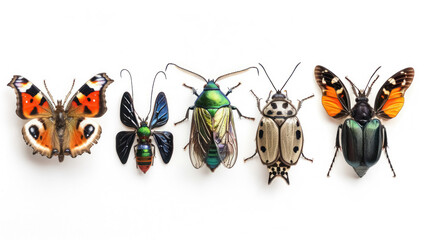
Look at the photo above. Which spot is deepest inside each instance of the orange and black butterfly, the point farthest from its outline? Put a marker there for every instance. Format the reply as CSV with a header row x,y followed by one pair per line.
x,y
59,130
362,136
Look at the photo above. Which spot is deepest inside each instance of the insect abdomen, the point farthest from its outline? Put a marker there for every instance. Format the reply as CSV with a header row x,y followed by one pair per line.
x,y
144,157
361,145
267,141
212,159
291,141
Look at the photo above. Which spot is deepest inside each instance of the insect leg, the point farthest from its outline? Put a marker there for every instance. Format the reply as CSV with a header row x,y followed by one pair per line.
x,y
302,100
268,98
193,89
258,101
186,116
256,151
385,150
184,148
241,115
230,90
337,146
154,151
306,158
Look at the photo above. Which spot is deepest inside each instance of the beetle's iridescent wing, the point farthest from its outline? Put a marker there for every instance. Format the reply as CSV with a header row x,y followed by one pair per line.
x,y
335,98
160,112
127,112
124,143
164,141
224,136
390,97
201,137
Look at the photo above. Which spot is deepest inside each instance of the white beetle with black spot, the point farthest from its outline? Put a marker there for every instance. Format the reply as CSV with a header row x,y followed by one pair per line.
x,y
279,138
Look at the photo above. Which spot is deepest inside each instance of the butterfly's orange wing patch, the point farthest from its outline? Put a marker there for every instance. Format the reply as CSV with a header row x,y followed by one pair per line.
x,y
81,134
41,136
335,98
90,100
31,102
390,97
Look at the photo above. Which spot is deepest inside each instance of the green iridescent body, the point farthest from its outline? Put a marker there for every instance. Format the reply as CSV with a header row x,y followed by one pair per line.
x,y
212,139
211,99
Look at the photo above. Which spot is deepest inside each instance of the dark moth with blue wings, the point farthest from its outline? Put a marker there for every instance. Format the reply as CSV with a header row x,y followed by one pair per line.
x,y
144,150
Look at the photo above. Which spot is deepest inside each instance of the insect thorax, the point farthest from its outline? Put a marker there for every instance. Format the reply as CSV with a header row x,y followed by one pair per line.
x,y
212,98
362,112
143,132
279,110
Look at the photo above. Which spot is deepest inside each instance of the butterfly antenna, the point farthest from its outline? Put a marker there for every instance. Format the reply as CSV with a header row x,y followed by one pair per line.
x,y
369,90
290,76
236,72
49,93
151,93
131,79
354,88
68,94
187,71
268,77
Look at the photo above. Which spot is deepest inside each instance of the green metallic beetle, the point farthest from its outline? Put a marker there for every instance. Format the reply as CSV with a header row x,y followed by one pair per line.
x,y
212,138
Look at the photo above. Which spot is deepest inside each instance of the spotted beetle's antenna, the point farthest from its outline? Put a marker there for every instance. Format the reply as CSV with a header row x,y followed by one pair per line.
x,y
47,90
269,78
369,89
187,71
68,94
290,76
151,92
234,73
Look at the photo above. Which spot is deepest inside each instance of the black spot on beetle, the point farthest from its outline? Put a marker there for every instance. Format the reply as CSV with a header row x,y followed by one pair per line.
x,y
31,100
298,134
263,149
89,99
261,133
289,112
274,105
279,113
297,123
88,131
261,124
270,112
284,105
295,149
34,131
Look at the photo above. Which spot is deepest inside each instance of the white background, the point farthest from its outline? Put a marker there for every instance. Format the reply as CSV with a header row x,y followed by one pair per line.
x,y
96,197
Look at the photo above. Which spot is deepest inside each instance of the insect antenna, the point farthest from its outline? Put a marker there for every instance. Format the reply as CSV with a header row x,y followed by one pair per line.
x,y
68,94
186,70
290,76
132,89
269,78
151,93
369,89
49,93
234,73
354,88
131,79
